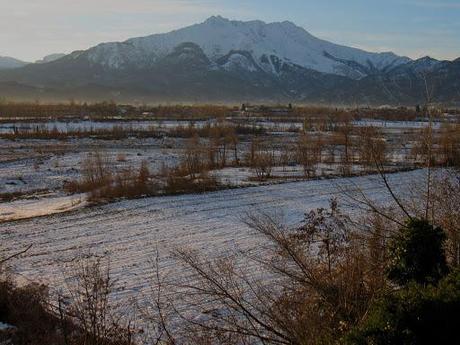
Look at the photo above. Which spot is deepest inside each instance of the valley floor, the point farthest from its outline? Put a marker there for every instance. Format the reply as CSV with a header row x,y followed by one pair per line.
x,y
131,232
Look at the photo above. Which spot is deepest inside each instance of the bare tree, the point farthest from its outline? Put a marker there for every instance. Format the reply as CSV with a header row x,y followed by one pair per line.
x,y
446,201
262,159
192,159
317,285
371,147
305,155
89,302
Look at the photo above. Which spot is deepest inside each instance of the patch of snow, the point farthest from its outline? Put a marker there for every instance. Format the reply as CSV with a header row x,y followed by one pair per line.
x,y
237,61
395,124
23,209
5,326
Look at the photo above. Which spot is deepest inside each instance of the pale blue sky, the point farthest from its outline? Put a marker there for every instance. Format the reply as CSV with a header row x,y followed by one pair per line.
x,y
30,29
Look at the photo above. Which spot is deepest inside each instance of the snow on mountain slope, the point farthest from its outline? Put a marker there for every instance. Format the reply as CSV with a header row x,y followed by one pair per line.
x,y
218,36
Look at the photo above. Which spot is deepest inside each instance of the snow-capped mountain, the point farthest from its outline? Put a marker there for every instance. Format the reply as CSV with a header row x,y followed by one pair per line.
x,y
225,60
250,45
9,62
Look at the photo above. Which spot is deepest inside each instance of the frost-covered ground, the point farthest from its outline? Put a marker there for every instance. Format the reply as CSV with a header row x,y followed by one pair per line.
x,y
131,232
246,177
35,171
395,124
67,126
35,165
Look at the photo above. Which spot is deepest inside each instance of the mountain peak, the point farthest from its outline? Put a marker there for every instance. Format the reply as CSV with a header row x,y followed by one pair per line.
x,y
289,24
217,20
426,61
426,58
269,45
285,42
226,59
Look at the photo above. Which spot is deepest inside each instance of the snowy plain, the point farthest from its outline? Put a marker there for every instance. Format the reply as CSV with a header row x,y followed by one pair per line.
x,y
131,232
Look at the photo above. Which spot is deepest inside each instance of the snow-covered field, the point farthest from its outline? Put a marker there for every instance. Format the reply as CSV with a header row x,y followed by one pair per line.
x,y
63,126
395,124
131,232
31,165
87,125
246,177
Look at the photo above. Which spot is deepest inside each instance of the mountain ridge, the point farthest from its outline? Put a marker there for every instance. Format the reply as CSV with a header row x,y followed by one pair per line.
x,y
229,60
217,36
7,62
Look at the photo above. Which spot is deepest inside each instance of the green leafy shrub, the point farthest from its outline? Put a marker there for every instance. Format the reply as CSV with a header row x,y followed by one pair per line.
x,y
415,315
416,254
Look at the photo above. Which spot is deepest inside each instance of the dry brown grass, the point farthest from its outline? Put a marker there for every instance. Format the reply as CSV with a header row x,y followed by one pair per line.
x,y
102,182
85,319
114,133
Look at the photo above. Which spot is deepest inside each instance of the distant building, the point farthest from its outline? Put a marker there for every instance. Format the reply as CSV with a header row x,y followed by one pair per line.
x,y
249,110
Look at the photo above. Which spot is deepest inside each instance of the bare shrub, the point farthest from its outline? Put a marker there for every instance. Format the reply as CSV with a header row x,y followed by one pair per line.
x,y
116,132
87,315
446,201
261,159
371,147
177,183
306,155
318,284
26,308
287,155
103,182
126,183
263,164
89,302
448,147
96,171
192,161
